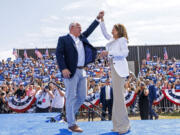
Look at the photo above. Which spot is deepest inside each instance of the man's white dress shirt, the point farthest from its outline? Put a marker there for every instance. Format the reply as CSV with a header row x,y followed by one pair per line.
x,y
108,92
80,49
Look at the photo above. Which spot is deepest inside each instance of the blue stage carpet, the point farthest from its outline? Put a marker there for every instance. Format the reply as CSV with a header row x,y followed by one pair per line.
x,y
34,124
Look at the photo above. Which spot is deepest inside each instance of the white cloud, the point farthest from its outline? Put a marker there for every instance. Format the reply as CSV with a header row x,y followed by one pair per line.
x,y
50,19
73,5
147,22
55,18
33,35
152,22
49,31
86,5
139,4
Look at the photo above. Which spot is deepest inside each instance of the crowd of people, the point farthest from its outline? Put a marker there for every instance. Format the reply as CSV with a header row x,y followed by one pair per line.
x,y
155,76
30,77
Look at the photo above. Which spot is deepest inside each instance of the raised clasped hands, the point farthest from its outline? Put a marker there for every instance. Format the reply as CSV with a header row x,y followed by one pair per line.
x,y
100,15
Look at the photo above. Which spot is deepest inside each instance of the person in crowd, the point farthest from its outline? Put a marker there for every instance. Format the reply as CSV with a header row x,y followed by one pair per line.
x,y
165,85
43,98
1,75
30,91
106,100
20,92
143,92
130,86
91,86
96,91
152,97
4,95
58,101
73,53
5,89
2,101
177,84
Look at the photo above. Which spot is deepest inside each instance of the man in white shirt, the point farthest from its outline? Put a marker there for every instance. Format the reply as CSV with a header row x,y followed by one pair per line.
x,y
106,100
43,98
73,53
57,104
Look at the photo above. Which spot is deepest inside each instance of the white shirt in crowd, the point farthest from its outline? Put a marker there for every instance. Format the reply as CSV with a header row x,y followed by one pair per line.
x,y
108,92
44,98
58,100
80,49
90,91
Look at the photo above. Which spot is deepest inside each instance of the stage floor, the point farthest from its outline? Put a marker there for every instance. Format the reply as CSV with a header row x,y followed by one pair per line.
x,y
34,124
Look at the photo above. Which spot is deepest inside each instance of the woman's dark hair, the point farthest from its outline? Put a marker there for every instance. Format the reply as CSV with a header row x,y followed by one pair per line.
x,y
121,30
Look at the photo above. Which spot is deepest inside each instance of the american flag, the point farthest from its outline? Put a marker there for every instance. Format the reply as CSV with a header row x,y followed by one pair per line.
x,y
25,54
148,55
15,53
38,53
165,54
47,52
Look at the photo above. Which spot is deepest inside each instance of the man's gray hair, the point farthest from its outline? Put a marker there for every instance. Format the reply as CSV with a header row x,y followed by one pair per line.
x,y
72,25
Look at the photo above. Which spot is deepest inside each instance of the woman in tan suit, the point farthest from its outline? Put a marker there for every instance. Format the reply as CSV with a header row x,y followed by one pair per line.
x,y
117,50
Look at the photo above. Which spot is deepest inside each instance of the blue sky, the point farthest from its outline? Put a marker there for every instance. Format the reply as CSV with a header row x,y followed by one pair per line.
x,y
39,23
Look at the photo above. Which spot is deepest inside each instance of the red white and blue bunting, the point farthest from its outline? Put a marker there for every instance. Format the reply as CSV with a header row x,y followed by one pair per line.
x,y
21,105
160,97
172,95
93,98
24,104
130,96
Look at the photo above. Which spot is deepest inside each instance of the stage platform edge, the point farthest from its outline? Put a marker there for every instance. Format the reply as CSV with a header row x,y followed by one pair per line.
x,y
35,124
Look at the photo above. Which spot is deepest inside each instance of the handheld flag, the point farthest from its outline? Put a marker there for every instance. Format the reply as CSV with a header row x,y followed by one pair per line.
x,y
47,52
15,53
148,55
165,54
38,53
25,54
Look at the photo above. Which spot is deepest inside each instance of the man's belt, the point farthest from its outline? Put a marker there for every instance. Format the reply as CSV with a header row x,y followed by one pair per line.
x,y
80,67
